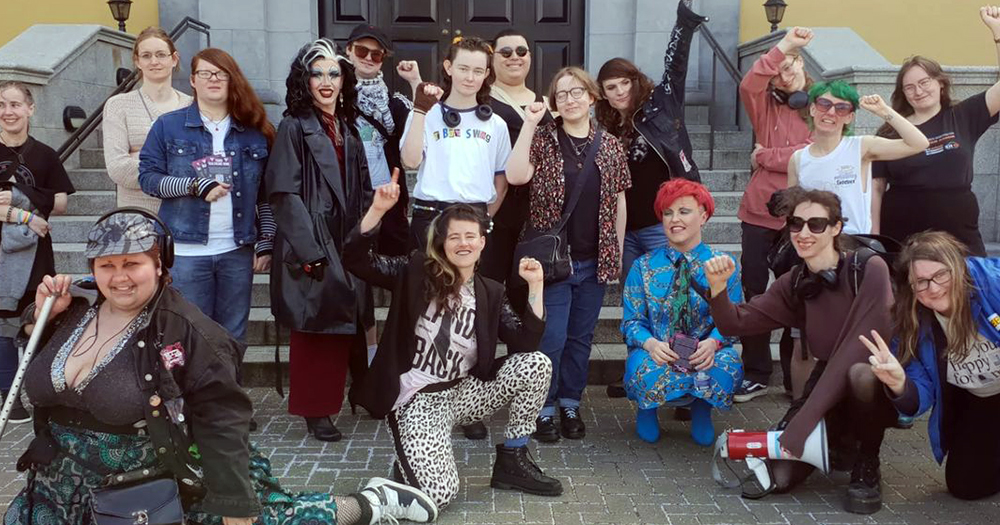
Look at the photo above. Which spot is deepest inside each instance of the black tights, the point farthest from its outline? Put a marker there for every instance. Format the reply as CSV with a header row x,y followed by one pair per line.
x,y
859,419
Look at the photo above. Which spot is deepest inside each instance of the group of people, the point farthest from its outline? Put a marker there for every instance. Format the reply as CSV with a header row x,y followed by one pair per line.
x,y
139,371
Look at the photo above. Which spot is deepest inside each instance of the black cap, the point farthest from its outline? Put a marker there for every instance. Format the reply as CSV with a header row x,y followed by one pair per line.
x,y
370,31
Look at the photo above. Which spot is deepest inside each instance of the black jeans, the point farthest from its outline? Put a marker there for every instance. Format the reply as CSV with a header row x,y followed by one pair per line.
x,y
757,241
972,470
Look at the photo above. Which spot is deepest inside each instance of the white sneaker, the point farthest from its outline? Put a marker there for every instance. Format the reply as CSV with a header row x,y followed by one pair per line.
x,y
394,501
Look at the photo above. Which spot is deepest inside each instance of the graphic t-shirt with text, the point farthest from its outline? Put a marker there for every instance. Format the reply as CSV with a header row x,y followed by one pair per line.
x,y
446,345
979,372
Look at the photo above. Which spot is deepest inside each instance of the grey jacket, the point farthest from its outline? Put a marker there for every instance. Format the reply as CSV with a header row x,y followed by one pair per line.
x,y
17,255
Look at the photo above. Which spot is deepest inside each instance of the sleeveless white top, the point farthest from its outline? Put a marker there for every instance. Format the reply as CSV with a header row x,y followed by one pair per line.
x,y
840,172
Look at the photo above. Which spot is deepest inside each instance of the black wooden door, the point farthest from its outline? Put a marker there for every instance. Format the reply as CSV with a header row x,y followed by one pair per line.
x,y
422,30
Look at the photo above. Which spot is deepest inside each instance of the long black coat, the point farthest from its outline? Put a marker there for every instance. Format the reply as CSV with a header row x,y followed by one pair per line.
x,y
378,389
315,206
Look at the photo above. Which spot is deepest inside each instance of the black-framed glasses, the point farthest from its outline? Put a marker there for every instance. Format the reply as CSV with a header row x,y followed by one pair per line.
x,y
363,52
816,224
205,74
576,93
508,51
940,278
842,109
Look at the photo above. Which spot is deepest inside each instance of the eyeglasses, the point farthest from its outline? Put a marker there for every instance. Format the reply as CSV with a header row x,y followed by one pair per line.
x,y
161,56
329,76
507,51
363,52
924,85
816,224
205,74
577,93
842,108
940,278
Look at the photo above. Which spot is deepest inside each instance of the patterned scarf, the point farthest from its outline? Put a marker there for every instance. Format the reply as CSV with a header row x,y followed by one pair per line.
x,y
373,100
679,297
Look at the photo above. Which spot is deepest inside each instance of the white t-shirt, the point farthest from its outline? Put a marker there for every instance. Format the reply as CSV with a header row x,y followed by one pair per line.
x,y
442,357
220,219
460,163
979,372
840,172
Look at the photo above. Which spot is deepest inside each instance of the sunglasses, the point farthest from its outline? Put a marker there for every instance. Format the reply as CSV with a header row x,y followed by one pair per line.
x,y
363,52
816,224
508,51
842,108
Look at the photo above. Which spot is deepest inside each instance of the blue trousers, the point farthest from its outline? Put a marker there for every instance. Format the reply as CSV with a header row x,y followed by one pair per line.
x,y
640,242
572,307
219,285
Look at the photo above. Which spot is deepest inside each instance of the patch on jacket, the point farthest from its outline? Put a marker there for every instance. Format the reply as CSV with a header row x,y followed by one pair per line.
x,y
994,320
172,356
638,150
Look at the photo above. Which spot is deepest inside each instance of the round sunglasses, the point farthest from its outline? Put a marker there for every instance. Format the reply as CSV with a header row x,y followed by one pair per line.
x,y
508,51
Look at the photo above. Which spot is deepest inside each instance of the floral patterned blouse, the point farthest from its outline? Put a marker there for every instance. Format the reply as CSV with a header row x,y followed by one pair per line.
x,y
548,190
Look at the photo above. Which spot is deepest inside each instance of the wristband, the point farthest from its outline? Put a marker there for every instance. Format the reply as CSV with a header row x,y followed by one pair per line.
x,y
193,187
10,209
423,101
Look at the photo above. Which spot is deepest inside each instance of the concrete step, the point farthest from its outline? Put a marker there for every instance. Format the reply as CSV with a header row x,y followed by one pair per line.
x,y
724,159
91,179
725,180
733,140
92,158
91,202
606,365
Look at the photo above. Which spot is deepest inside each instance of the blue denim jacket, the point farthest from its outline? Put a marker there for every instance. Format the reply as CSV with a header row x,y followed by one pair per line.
x,y
165,171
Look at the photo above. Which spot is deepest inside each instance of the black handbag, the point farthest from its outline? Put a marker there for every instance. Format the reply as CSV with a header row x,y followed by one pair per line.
x,y
155,502
551,248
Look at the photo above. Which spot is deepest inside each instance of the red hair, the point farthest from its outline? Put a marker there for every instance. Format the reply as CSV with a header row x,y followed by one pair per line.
x,y
244,104
674,189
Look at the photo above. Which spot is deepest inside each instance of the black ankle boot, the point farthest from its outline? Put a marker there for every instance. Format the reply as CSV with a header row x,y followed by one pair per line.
x,y
475,430
864,494
545,430
322,429
514,469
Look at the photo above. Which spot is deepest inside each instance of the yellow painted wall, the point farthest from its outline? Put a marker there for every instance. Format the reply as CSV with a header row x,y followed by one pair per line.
x,y
18,15
949,31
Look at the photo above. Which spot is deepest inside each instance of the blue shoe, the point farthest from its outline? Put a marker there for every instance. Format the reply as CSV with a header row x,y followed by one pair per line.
x,y
702,430
647,425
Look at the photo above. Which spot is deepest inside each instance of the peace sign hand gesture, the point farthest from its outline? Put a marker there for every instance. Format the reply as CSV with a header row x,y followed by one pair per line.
x,y
885,366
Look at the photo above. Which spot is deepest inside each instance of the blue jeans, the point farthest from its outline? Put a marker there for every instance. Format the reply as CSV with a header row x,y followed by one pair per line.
x,y
572,307
640,242
8,362
219,285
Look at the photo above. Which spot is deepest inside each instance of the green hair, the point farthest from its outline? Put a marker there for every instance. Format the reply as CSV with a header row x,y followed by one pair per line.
x,y
839,89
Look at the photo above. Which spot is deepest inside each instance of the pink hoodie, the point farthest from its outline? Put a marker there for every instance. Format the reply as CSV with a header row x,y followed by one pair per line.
x,y
780,129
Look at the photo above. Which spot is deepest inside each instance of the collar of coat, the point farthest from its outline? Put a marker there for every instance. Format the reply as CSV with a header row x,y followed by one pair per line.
x,y
322,150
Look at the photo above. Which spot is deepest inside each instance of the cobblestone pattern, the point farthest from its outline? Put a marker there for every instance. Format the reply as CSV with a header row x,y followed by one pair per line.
x,y
609,477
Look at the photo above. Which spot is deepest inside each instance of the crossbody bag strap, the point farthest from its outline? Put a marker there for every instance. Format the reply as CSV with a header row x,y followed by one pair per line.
x,y
574,198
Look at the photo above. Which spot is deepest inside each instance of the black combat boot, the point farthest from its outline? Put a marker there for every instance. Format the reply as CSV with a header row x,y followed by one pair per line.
x,y
864,494
514,469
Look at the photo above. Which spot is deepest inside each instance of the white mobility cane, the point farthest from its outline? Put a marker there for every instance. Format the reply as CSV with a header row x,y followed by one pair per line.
x,y
15,387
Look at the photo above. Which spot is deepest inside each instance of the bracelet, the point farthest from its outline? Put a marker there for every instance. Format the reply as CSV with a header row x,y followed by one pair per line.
x,y
419,111
31,215
20,217
10,210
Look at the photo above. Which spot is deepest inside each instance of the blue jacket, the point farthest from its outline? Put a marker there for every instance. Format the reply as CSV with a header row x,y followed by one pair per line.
x,y
923,372
176,140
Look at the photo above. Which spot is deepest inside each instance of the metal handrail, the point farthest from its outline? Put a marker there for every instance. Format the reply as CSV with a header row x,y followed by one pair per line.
x,y
94,120
718,55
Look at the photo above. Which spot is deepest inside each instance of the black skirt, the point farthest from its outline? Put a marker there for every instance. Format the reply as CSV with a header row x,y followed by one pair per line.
x,y
905,212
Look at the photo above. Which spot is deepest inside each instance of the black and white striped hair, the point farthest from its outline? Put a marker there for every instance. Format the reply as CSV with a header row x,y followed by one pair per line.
x,y
298,99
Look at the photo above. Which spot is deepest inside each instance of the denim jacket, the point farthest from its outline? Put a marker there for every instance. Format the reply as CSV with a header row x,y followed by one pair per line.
x,y
925,373
176,140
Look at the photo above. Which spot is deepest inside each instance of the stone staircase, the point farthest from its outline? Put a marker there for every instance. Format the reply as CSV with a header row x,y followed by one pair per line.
x,y
96,195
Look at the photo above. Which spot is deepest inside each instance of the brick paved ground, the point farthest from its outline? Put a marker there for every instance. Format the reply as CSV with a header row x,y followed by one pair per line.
x,y
609,477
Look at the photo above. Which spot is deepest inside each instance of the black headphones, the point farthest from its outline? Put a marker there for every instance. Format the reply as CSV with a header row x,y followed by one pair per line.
x,y
795,99
165,238
809,285
453,117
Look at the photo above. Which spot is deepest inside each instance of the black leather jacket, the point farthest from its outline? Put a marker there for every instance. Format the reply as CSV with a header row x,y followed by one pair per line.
x,y
216,411
404,275
315,206
660,121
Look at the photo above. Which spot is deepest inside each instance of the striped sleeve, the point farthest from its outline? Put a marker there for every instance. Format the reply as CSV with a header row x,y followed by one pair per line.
x,y
173,187
267,228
